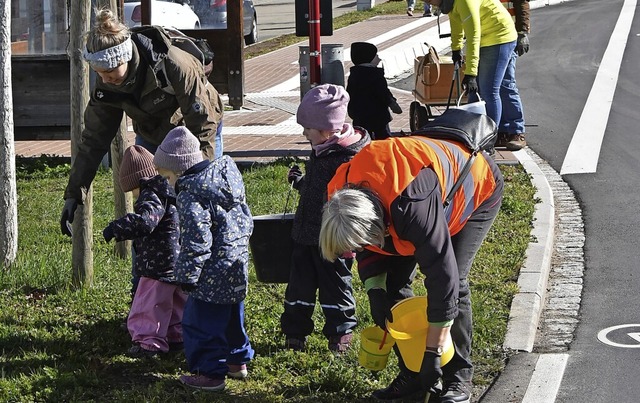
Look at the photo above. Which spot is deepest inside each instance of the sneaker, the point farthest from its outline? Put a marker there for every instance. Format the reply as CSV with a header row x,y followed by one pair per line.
x,y
340,344
455,392
237,371
295,344
427,14
516,142
502,140
405,387
409,12
137,351
202,382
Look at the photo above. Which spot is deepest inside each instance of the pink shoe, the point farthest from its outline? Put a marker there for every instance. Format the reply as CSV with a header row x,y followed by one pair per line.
x,y
237,371
202,382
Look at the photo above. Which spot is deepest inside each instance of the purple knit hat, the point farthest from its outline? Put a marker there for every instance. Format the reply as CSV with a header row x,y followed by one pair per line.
x,y
136,164
179,151
324,108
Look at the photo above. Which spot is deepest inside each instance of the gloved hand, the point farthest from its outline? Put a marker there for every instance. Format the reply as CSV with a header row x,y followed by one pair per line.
x,y
380,307
522,46
470,84
430,370
295,175
68,212
456,55
108,234
395,108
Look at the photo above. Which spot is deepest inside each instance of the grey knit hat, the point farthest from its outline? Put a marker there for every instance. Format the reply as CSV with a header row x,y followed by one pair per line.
x,y
136,164
323,108
179,151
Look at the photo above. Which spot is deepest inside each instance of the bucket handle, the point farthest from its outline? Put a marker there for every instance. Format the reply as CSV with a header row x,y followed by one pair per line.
x,y
286,203
384,338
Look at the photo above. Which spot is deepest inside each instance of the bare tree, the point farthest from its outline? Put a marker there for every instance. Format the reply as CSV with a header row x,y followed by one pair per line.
x,y
8,192
82,254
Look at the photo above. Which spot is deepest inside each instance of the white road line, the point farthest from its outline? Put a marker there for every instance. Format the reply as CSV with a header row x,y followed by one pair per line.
x,y
546,378
584,149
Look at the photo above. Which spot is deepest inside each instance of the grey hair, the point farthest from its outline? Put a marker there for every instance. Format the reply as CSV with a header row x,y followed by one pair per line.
x,y
108,31
351,219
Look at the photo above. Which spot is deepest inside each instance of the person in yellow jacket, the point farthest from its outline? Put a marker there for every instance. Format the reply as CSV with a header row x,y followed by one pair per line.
x,y
490,41
387,204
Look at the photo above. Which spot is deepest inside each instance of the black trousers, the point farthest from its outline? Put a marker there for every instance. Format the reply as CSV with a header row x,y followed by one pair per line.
x,y
311,274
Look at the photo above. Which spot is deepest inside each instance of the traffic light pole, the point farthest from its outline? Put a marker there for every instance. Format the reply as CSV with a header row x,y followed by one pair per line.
x,y
314,43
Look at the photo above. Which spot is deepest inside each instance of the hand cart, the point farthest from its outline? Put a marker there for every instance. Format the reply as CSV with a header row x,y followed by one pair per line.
x,y
431,91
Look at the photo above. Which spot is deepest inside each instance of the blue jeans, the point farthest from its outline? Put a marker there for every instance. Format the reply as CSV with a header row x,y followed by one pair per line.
x,y
217,152
492,66
512,121
214,336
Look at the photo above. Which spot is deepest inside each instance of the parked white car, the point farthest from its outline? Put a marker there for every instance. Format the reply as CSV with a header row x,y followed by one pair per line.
x,y
213,14
167,13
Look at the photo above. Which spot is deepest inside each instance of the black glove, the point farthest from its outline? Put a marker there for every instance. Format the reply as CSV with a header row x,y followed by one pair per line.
x,y
522,46
456,55
295,175
108,234
430,371
470,84
68,211
395,108
380,307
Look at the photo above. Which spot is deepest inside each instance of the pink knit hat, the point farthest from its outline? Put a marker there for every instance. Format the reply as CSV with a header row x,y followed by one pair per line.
x,y
324,108
137,163
179,151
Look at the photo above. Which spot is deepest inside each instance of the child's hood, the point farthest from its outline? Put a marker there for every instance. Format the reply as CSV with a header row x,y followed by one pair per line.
x,y
160,186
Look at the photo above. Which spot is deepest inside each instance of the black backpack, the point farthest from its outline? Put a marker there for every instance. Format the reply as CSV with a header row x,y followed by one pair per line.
x,y
476,131
199,48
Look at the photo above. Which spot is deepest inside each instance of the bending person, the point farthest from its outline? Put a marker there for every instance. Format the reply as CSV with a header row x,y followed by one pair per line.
x,y
159,86
387,203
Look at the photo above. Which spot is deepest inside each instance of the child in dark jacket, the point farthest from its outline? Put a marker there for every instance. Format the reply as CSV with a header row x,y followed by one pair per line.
x,y
322,114
156,312
369,93
215,225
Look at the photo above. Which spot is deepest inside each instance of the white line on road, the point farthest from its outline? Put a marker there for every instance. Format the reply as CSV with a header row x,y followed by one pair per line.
x,y
584,149
546,378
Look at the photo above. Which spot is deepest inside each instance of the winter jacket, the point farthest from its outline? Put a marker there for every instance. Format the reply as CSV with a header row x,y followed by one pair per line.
x,y
165,87
215,224
319,170
154,229
483,23
369,97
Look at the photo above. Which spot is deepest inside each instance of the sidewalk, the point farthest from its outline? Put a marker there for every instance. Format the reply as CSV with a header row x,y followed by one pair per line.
x,y
265,128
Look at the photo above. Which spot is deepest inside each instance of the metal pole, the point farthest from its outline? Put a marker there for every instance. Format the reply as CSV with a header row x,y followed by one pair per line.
x,y
314,43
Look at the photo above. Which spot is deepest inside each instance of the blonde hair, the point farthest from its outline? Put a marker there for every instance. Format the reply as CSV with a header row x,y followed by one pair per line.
x,y
351,219
107,31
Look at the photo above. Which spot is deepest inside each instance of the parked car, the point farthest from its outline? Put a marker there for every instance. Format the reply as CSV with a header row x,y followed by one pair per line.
x,y
213,14
168,13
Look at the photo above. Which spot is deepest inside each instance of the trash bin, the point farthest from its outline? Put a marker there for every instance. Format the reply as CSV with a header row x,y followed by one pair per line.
x,y
304,63
362,5
332,64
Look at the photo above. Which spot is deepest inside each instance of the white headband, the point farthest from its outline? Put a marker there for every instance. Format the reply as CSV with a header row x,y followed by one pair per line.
x,y
110,58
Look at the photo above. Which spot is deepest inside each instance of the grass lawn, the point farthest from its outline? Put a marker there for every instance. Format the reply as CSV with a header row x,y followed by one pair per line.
x,y
59,344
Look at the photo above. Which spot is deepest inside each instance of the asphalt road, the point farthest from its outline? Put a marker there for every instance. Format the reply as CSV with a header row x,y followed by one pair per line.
x,y
277,17
567,58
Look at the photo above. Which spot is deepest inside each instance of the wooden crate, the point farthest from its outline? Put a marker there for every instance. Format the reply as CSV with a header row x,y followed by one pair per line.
x,y
429,89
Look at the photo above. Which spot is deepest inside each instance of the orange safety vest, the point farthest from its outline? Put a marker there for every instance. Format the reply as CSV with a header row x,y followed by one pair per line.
x,y
389,166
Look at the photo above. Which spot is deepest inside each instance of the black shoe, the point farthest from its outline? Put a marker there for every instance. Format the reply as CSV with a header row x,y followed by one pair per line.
x,y
455,392
136,351
175,346
404,387
295,344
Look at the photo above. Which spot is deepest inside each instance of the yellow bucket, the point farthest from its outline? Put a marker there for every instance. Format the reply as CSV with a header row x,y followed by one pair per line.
x,y
373,352
409,329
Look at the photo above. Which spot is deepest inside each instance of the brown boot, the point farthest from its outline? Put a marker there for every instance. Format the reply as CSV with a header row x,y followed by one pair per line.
x,y
516,142
502,140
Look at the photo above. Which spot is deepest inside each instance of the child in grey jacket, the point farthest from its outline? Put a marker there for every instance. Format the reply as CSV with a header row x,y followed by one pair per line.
x,y
215,224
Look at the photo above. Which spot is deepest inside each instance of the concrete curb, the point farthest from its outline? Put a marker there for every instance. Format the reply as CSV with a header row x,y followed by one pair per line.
x,y
527,304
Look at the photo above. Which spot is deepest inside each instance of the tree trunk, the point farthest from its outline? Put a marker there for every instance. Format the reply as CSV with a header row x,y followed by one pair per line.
x,y
82,255
8,192
123,201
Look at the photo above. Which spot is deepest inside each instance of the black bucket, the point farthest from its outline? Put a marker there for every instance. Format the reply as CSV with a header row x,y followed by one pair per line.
x,y
271,247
